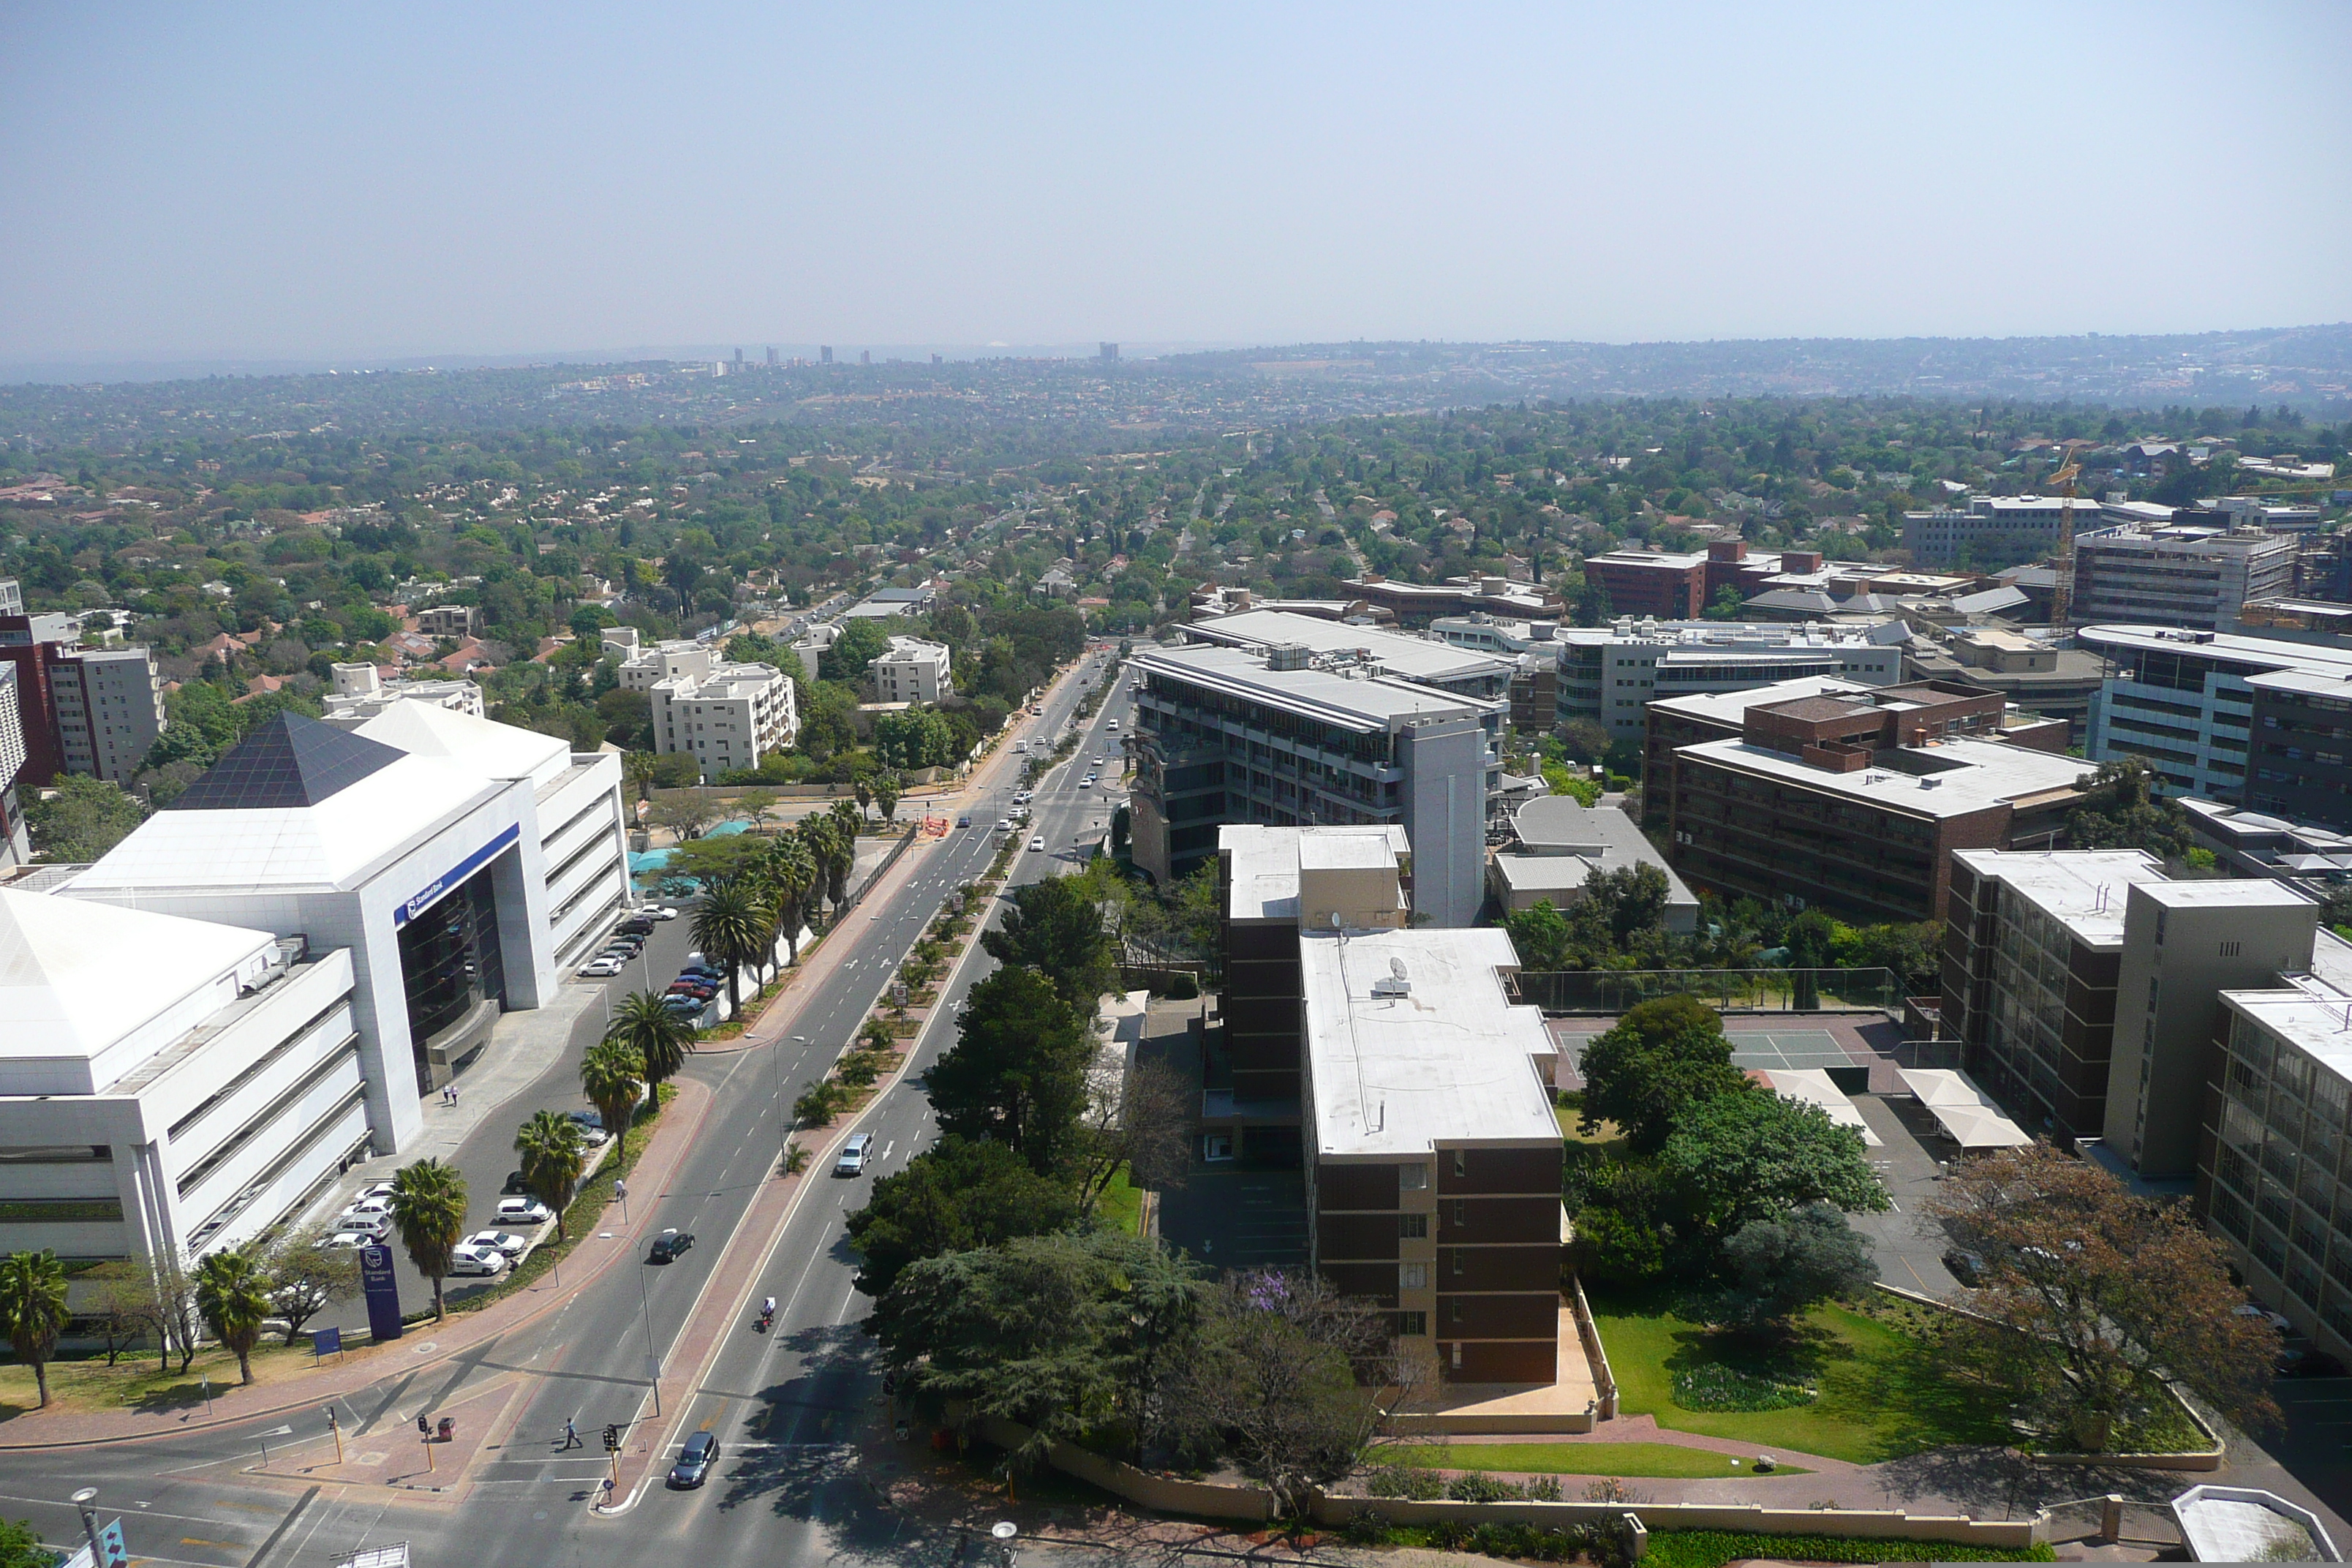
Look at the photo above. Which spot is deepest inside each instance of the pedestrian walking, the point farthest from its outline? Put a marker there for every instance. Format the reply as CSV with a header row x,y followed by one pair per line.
x,y
571,1435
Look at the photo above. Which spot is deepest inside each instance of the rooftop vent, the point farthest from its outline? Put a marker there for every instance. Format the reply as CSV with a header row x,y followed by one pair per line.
x,y
1287,656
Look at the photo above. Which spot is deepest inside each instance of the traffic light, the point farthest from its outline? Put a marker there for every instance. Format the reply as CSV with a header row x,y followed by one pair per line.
x,y
612,1439
425,1424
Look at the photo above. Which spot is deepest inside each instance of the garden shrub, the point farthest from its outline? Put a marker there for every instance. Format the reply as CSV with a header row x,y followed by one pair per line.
x,y
1715,1386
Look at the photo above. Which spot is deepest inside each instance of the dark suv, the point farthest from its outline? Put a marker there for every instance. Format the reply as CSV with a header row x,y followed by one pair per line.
x,y
670,1245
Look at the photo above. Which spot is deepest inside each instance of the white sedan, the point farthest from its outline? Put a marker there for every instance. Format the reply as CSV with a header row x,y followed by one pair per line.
x,y
346,1241
1037,843
598,969
658,913
523,1210
505,1241
476,1260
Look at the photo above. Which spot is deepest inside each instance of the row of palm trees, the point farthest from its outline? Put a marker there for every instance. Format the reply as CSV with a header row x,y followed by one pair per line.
x,y
234,1293
780,884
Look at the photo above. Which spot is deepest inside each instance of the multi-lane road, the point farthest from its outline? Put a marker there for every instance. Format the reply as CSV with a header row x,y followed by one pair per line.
x,y
783,1406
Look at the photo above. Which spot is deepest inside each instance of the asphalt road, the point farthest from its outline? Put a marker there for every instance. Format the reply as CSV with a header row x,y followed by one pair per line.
x,y
781,1404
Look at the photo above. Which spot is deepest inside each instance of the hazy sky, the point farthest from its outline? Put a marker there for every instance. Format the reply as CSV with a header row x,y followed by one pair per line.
x,y
333,180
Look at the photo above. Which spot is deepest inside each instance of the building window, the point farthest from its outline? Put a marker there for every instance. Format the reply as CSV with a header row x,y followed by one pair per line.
x,y
2231,949
1412,1325
1413,1178
1461,1213
1412,1276
1462,1162
1456,1354
1413,1226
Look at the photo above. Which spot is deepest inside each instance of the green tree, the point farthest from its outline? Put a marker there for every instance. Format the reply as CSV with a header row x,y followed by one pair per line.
x,y
1056,928
640,768
613,1077
2121,810
659,1037
886,788
1539,935
734,929
954,1197
790,875
234,1294
32,1309
305,1278
1017,1070
20,1546
428,1210
80,819
553,1155
711,861
1748,1154
1783,1266
1660,1058
861,642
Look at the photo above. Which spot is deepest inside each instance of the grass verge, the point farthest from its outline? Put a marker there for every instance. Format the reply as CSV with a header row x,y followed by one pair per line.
x,y
1713,1548
1664,1460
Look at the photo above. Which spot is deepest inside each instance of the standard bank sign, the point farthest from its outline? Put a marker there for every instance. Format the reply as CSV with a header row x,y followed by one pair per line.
x,y
425,897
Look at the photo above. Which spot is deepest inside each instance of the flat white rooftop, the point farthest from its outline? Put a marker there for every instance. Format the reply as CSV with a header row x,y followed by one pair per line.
x,y
2256,653
1970,775
1731,706
74,976
1265,862
1372,702
1414,659
1445,1059
2082,889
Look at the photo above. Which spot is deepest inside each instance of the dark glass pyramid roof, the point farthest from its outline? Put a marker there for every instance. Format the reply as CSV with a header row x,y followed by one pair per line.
x,y
289,761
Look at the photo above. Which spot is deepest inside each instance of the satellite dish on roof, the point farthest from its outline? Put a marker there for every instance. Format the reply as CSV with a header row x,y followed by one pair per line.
x,y
1396,968
1335,920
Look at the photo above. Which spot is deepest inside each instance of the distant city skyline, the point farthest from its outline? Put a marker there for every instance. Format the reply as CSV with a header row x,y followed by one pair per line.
x,y
301,186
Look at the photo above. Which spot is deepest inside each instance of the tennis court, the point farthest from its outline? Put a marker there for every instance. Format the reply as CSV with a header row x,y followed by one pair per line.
x,y
1791,1051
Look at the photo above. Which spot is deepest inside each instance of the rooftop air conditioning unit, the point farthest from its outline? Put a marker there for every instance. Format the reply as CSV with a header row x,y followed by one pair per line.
x,y
1394,984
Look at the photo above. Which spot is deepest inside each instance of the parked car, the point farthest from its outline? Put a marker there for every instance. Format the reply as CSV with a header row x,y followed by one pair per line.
x,y
592,1128
854,1156
638,925
661,912
670,1245
347,1241
376,1190
693,1467
1967,1267
464,1259
2297,1362
600,968
380,1203
515,1184
375,1227
501,1241
523,1210
686,1006
1037,843
704,972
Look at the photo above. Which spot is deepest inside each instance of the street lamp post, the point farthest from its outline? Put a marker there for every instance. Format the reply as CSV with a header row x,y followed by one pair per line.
x,y
86,1499
784,1122
653,1362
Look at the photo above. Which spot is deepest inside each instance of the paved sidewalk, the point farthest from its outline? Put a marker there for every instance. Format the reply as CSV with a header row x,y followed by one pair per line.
x,y
603,1244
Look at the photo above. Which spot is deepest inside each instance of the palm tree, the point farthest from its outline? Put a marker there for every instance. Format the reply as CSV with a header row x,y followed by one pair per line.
x,y
613,1076
792,875
553,1155
232,1293
851,818
428,1209
32,1309
732,926
864,791
834,843
887,790
659,1037
638,767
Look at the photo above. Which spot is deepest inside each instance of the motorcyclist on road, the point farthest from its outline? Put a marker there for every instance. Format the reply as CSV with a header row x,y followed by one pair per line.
x,y
767,1308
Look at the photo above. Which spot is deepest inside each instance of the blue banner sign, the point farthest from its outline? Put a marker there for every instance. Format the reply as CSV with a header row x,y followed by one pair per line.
x,y
382,1289
425,897
326,1341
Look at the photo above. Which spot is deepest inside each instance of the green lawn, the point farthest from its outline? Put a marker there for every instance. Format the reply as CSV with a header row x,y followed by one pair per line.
x,y
1882,1393
1578,1459
1121,1205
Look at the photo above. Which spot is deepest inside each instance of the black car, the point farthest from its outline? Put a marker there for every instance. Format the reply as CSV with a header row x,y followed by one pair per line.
x,y
1965,1266
693,1467
638,927
671,1245
516,1186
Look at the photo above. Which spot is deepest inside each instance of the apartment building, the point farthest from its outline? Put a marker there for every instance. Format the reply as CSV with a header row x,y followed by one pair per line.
x,y
1286,737
914,670
644,667
2301,744
2185,702
1856,801
450,621
1613,673
2183,576
361,693
15,848
2082,986
1429,661
726,718
1432,1155
107,705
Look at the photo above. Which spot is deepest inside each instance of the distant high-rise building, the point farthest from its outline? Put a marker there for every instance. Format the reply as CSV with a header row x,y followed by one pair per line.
x,y
1108,351
825,354
864,356
935,359
739,359
772,356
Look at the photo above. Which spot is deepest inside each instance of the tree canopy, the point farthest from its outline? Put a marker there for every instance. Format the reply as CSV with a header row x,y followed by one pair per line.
x,y
1660,1058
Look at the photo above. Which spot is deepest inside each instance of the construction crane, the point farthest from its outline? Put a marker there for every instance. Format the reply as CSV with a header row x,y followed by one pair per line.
x,y
2061,591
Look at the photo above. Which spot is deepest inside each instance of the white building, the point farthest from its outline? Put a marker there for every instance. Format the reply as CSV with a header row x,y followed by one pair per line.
x,y
914,671
460,862
2199,577
1612,673
1940,535
647,667
729,717
178,1104
110,708
361,693
449,621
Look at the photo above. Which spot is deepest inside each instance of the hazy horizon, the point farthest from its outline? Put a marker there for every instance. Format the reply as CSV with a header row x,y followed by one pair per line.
x,y
308,188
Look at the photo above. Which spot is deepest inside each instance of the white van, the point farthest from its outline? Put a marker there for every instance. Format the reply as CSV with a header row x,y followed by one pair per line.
x,y
853,1154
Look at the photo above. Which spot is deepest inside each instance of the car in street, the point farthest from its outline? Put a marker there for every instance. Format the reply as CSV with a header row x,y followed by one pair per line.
x,y
670,1245
693,1467
1024,798
1037,843
1112,725
1966,1267
502,1241
854,1156
465,1259
592,1128
1102,762
523,1210
601,968
964,821
1088,782
668,913
347,1241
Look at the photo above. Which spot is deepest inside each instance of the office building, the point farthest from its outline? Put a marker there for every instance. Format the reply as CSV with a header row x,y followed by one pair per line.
x,y
462,863
12,597
914,670
1612,673
1855,800
108,705
2185,702
2301,736
889,604
2007,524
15,847
1558,845
2278,1104
1433,1153
1424,661
825,354
361,693
1416,605
2196,577
643,668
2244,843
2032,675
176,1104
727,718
1107,352
1291,738
2082,986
